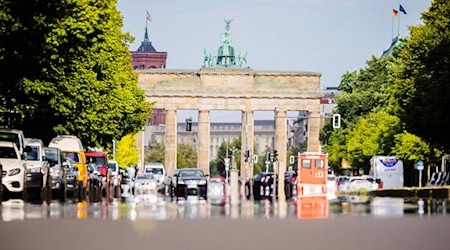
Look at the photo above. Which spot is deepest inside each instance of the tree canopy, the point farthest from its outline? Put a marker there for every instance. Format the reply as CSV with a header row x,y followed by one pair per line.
x,y
69,71
421,89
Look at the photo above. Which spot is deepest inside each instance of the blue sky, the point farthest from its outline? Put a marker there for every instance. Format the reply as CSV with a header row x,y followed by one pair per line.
x,y
326,36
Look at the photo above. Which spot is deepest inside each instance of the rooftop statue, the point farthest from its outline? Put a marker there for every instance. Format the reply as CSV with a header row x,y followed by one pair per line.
x,y
225,54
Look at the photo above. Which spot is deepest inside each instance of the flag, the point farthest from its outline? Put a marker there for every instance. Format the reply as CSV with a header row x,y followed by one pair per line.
x,y
149,17
394,12
402,9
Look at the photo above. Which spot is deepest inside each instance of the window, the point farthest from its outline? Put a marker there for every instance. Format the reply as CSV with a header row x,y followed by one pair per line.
x,y
306,163
8,152
33,155
319,163
73,156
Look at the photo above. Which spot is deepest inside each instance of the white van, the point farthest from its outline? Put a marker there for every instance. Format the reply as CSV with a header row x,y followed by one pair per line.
x,y
157,169
388,169
67,143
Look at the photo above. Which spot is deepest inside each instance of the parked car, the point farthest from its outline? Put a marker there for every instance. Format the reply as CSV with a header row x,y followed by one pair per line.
x,y
332,185
217,190
127,184
171,182
72,174
357,183
342,182
14,135
95,182
262,186
290,184
57,171
100,159
72,148
158,171
39,181
115,177
190,181
146,187
14,172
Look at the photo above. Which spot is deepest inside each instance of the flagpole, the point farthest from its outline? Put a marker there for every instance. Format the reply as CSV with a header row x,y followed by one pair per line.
x,y
392,33
398,28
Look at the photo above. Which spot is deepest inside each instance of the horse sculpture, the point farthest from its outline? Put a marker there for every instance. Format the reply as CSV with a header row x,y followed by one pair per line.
x,y
242,58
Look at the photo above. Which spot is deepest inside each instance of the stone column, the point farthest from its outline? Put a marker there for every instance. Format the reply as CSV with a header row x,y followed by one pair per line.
x,y
170,159
247,135
203,140
313,132
280,146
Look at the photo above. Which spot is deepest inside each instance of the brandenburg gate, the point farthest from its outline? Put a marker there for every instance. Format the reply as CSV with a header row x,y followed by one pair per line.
x,y
225,84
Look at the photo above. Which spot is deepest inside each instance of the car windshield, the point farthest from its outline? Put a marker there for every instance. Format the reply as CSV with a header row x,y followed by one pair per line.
x,y
112,166
51,155
11,137
154,170
33,154
191,173
145,177
8,152
75,157
97,160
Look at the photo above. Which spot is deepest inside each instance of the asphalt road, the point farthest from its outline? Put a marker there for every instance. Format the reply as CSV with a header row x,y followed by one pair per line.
x,y
335,233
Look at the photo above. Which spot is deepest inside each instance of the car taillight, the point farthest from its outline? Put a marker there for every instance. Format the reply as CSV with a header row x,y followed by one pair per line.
x,y
380,186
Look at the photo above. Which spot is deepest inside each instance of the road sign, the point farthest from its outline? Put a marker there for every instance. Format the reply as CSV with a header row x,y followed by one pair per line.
x,y
419,165
292,159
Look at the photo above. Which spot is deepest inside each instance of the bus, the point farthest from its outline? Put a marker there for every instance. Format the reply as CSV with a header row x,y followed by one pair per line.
x,y
312,176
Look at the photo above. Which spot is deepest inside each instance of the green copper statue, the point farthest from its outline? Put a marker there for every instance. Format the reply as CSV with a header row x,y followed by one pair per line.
x,y
225,54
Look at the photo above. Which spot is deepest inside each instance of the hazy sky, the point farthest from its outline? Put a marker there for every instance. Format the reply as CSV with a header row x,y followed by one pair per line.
x,y
326,36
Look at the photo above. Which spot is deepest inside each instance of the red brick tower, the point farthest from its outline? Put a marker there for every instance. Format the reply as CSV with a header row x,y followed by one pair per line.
x,y
146,56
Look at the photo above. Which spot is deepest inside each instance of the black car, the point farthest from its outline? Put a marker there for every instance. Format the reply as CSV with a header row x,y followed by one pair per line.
x,y
171,183
290,184
55,158
71,177
262,186
95,182
190,181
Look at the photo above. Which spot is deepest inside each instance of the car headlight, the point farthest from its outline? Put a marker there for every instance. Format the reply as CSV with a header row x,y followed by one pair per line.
x,y
202,182
13,172
180,182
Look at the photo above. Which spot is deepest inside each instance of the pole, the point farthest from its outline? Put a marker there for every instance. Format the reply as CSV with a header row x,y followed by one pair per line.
x,y
114,149
143,150
420,178
227,191
398,27
392,33
274,184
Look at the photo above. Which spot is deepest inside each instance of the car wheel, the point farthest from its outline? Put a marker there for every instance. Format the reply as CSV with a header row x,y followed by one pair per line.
x,y
63,193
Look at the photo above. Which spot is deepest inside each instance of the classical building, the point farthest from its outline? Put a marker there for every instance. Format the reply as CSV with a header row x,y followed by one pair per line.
x,y
264,133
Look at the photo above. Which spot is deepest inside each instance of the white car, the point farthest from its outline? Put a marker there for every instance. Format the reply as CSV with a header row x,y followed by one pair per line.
x,y
14,171
38,173
145,187
331,187
158,171
358,183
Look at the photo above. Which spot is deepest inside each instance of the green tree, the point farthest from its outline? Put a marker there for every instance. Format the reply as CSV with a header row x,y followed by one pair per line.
x,y
156,153
127,152
421,89
373,135
217,166
186,156
69,71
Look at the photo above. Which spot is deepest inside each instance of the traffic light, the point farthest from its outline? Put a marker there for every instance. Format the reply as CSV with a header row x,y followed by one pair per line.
x,y
247,155
336,121
188,124
275,155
